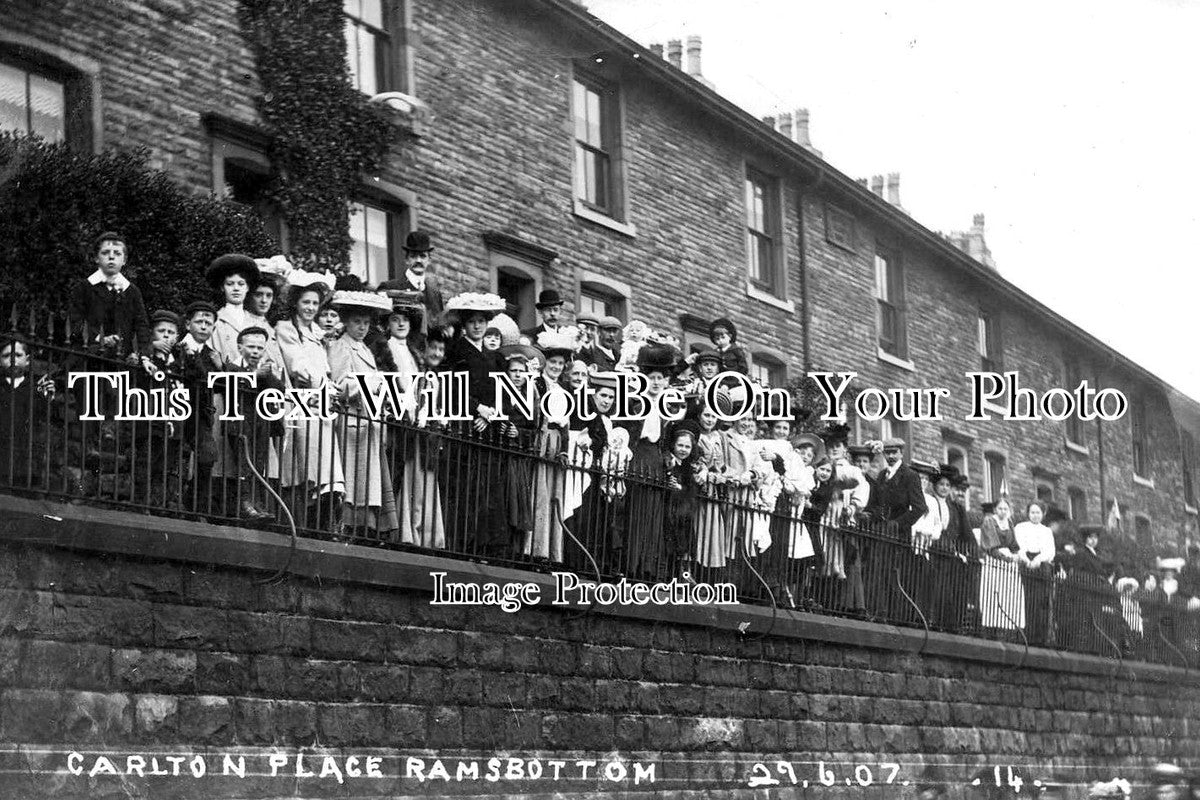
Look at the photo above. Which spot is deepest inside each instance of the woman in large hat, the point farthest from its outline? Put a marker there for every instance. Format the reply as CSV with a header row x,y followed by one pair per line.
x,y
644,504
712,449
475,504
311,458
418,497
553,483
370,505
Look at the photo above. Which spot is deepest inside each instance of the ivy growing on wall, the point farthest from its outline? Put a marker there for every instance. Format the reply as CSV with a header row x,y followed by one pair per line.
x,y
324,134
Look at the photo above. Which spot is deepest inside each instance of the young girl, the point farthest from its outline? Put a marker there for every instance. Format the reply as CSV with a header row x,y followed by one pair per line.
x,y
684,476
712,529
312,463
549,476
370,504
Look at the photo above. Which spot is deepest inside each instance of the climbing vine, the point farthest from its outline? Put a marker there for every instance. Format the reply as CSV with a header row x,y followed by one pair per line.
x,y
324,134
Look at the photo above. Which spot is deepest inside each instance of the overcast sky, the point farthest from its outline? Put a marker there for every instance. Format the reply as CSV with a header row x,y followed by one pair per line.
x,y
1073,125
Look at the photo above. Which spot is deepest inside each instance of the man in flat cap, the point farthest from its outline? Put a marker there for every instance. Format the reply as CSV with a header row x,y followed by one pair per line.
x,y
607,349
417,277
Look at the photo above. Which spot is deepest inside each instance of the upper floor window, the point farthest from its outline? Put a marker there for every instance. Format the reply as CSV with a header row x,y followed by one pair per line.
x,y
762,231
1045,492
889,296
32,103
595,111
1141,455
989,342
372,37
1073,377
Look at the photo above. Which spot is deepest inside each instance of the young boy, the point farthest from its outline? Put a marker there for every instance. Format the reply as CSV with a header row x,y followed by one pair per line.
x,y
196,358
491,339
162,440
107,311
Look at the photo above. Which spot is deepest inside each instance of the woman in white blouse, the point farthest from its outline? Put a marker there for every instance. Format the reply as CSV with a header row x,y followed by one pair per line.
x,y
1035,554
311,463
234,277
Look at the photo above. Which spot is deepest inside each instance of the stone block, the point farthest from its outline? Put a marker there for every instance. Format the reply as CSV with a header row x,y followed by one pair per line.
x,y
206,719
167,671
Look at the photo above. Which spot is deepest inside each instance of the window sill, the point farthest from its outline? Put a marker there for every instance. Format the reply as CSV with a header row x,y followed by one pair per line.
x,y
583,212
770,299
1191,510
408,113
896,361
1078,448
1140,481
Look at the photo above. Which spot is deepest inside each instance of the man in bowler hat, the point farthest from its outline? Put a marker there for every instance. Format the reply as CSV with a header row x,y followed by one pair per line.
x,y
549,305
901,503
418,253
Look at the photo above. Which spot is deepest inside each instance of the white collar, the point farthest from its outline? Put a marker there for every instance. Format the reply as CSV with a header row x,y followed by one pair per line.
x,y
15,382
418,281
118,281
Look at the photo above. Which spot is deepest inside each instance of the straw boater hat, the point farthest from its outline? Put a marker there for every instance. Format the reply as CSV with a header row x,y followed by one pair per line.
x,y
809,440
369,302
604,380
232,264
467,303
561,342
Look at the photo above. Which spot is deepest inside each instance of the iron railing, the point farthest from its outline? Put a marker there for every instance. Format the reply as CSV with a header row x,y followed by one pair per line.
x,y
537,500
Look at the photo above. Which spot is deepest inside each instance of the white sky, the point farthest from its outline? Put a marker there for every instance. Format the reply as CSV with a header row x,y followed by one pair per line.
x,y
1074,125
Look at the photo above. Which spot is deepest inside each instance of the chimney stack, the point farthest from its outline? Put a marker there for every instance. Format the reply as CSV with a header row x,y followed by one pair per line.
x,y
862,182
693,56
973,243
769,122
657,49
877,185
785,124
893,188
675,53
801,136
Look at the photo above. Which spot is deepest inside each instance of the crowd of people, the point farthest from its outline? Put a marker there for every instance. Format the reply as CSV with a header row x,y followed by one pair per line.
x,y
808,517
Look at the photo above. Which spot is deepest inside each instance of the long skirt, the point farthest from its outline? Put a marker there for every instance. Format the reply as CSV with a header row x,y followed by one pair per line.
x,y
369,502
310,457
575,478
1001,595
713,529
644,510
549,481
420,499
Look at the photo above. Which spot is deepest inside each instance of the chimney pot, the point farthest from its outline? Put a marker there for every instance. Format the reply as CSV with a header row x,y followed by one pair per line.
x,y
693,55
657,49
675,53
877,185
978,222
770,121
893,188
785,124
801,130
